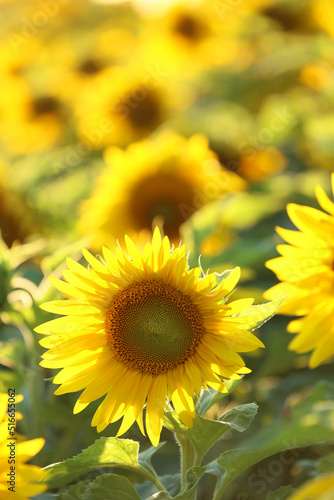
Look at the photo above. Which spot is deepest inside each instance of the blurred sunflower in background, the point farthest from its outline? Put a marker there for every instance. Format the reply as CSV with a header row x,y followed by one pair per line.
x,y
138,323
307,273
30,120
17,220
124,104
161,180
189,38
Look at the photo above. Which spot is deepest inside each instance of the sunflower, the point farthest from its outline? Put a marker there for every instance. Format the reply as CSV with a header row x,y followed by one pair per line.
x,y
291,17
168,178
30,120
188,38
318,488
123,104
92,54
140,327
306,271
24,476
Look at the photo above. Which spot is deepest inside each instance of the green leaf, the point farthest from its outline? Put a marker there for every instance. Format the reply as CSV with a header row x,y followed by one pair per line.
x,y
262,312
326,464
48,496
241,416
311,422
281,493
111,486
202,435
194,474
105,452
205,432
172,483
75,492
208,399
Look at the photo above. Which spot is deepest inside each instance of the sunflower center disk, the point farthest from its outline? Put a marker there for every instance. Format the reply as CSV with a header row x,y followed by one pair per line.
x,y
162,195
152,327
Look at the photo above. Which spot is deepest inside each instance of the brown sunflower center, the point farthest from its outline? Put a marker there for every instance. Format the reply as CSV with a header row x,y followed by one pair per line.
x,y
152,327
90,67
162,195
290,17
44,105
190,27
142,108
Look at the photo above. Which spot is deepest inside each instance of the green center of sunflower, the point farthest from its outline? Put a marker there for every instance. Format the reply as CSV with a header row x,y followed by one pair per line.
x,y
152,327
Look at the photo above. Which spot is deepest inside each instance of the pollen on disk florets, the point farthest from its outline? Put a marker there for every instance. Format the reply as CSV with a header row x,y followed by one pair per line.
x,y
152,327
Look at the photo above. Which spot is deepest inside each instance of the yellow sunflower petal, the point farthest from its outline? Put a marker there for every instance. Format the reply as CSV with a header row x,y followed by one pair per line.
x,y
324,201
180,401
156,404
306,270
227,284
301,240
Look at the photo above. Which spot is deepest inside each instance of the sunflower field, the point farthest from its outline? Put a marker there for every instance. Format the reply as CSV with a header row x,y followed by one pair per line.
x,y
166,249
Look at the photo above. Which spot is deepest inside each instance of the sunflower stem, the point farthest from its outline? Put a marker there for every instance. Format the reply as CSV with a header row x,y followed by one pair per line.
x,y
188,456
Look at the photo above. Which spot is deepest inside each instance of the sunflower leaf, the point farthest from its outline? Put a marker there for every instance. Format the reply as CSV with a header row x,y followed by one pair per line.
x,y
171,482
105,452
194,474
48,496
205,432
261,313
111,486
310,423
202,435
326,463
240,417
74,492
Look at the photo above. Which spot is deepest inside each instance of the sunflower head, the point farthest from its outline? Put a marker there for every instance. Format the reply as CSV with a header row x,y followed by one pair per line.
x,y
122,105
306,272
141,327
190,26
165,179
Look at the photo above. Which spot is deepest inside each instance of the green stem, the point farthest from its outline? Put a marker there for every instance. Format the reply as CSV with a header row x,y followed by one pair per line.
x,y
188,456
